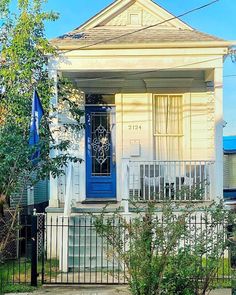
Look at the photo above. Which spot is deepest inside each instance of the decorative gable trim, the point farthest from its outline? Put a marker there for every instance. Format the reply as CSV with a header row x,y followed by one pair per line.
x,y
112,9
106,16
161,12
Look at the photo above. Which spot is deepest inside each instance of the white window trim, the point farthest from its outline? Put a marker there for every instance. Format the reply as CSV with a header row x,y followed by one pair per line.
x,y
154,115
155,134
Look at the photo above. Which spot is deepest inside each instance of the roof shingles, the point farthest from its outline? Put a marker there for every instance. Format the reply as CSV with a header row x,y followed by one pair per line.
x,y
111,36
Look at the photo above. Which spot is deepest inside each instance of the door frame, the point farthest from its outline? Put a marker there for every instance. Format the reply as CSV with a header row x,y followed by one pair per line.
x,y
113,178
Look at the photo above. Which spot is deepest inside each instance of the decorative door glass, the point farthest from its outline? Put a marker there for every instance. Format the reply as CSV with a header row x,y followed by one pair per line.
x,y
101,144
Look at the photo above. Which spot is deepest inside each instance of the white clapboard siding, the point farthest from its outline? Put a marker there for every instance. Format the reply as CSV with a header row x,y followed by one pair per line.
x,y
232,171
75,184
226,171
202,127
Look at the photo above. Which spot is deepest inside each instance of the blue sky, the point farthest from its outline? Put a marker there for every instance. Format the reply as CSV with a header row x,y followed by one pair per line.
x,y
218,19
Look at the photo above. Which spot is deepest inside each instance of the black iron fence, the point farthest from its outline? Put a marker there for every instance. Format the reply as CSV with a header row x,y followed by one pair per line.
x,y
23,252
65,250
77,254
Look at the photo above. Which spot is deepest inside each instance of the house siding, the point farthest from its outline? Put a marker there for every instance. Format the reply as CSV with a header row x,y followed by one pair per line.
x,y
135,135
226,171
135,123
38,194
41,192
202,126
230,171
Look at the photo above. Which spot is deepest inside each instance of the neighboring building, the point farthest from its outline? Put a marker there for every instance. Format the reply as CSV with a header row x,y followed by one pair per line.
x,y
230,169
153,110
36,197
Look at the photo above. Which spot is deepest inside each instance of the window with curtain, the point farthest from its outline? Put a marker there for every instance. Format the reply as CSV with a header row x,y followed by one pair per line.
x,y
168,130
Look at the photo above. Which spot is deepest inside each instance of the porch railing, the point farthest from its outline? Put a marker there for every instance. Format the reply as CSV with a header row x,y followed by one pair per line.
x,y
170,180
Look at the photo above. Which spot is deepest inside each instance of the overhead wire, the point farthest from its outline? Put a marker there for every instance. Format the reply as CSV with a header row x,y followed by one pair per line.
x,y
229,76
144,28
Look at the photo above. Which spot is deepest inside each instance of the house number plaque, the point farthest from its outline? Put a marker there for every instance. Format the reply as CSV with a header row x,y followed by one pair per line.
x,y
135,127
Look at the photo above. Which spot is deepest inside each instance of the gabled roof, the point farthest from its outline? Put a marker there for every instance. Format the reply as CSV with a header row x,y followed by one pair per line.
x,y
125,22
116,14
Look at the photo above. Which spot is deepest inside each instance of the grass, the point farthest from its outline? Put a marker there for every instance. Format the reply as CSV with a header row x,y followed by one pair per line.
x,y
15,276
16,271
223,275
17,288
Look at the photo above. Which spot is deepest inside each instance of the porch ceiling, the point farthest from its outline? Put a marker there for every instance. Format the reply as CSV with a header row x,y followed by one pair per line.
x,y
138,81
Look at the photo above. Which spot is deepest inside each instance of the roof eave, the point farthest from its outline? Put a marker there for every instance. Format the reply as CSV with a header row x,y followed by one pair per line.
x,y
191,44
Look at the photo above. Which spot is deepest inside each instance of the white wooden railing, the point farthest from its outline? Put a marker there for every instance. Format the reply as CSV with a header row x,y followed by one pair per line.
x,y
169,180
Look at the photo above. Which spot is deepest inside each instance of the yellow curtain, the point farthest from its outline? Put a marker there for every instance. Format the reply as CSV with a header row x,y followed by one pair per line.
x,y
169,127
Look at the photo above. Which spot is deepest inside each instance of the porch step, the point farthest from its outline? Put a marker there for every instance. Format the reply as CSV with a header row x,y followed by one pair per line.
x,y
99,201
86,249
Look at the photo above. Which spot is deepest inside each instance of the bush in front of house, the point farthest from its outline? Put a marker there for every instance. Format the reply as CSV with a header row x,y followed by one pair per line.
x,y
168,250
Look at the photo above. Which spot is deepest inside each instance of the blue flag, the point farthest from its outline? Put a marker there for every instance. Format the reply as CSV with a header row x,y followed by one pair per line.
x,y
36,116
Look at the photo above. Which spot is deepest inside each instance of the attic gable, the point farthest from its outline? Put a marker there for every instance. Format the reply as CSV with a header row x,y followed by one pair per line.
x,y
134,13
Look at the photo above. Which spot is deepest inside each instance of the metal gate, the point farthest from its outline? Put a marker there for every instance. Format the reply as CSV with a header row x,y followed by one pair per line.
x,y
76,254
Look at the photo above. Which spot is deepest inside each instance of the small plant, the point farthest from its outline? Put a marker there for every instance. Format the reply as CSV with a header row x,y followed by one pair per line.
x,y
170,252
16,288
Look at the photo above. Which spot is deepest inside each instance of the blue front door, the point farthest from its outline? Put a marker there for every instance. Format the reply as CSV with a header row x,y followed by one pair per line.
x,y
100,152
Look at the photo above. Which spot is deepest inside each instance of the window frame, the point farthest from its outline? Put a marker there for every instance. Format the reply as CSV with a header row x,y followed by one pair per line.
x,y
155,119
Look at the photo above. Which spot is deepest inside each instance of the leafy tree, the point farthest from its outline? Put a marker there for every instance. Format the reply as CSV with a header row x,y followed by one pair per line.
x,y
24,52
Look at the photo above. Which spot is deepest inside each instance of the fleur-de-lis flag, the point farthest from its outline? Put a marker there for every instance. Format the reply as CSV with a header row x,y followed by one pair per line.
x,y
36,116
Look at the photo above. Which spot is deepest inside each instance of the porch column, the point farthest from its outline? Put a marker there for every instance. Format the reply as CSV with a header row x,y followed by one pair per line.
x,y
81,155
53,187
63,232
218,181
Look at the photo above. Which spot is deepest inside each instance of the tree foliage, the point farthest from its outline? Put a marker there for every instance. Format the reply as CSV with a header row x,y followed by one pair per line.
x,y
24,52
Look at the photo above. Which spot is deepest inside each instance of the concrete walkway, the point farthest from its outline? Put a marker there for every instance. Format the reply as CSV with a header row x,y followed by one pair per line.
x,y
96,290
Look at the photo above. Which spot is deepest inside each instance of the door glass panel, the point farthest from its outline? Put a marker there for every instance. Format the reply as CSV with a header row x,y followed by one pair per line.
x,y
104,99
101,144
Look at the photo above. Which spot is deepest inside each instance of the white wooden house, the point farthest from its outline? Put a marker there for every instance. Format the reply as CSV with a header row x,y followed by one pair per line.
x,y
153,107
151,88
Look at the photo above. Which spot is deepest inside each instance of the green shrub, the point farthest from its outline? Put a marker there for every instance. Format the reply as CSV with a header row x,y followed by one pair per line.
x,y
170,253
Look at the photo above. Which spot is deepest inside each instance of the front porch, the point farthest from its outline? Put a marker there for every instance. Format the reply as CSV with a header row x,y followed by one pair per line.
x,y
149,134
141,141
141,146
141,181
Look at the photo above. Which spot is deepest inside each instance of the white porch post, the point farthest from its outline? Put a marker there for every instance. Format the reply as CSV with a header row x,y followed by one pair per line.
x,y
53,188
69,190
125,184
82,181
218,181
63,238
82,155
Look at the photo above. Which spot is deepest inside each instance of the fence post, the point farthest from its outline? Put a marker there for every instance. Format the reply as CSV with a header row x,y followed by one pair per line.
x,y
232,242
34,255
43,249
1,284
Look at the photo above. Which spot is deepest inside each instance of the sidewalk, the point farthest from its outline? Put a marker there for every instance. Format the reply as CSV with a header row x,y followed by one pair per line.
x,y
96,290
